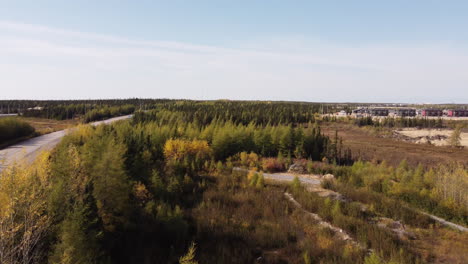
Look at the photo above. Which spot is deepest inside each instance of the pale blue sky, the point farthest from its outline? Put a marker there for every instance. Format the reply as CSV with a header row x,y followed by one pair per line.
x,y
383,51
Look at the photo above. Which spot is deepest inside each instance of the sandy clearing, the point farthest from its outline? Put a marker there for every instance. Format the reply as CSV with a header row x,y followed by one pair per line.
x,y
416,134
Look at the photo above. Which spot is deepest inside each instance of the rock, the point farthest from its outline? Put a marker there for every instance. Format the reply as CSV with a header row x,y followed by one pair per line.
x,y
328,176
395,225
423,140
297,168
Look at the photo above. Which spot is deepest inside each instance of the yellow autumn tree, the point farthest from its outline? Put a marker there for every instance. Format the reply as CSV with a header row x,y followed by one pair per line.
x,y
178,149
23,218
189,154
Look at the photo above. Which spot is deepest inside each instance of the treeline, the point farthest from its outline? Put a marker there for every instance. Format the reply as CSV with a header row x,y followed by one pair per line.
x,y
227,138
19,106
402,122
238,112
108,112
59,112
88,112
203,112
13,128
70,109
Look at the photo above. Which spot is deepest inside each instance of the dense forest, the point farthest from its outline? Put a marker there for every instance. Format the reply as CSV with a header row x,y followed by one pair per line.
x,y
237,111
121,193
161,188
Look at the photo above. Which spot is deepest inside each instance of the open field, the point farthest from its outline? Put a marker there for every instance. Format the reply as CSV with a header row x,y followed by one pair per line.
x,y
369,145
45,126
40,126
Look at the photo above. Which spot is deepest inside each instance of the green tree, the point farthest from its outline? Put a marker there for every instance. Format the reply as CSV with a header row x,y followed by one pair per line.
x,y
260,181
78,238
455,137
253,180
111,185
296,183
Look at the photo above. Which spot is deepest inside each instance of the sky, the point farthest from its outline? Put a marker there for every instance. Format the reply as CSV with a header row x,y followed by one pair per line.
x,y
319,51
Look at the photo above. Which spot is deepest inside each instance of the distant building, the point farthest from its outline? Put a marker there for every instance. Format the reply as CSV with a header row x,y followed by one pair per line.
x,y
360,111
403,112
342,113
431,112
37,108
457,112
379,111
7,115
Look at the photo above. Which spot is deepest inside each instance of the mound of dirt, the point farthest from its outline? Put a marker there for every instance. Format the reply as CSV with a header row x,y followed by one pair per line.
x,y
298,168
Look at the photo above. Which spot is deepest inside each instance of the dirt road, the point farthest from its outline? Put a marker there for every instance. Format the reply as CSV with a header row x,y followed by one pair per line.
x,y
314,185
29,149
284,177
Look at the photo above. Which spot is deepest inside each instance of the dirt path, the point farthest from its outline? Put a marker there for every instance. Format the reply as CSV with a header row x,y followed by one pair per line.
x,y
312,184
309,179
338,231
446,223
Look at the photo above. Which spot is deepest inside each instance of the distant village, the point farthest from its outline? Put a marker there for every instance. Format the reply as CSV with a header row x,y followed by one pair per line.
x,y
403,112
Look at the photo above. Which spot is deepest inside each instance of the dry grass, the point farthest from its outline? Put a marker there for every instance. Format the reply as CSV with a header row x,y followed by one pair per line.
x,y
368,145
441,245
45,126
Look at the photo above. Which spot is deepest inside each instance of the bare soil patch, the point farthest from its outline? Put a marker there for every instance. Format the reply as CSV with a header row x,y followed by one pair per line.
x,y
438,137
45,126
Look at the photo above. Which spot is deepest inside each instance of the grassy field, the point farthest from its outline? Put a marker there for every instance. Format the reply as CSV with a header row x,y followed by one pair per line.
x,y
368,144
45,126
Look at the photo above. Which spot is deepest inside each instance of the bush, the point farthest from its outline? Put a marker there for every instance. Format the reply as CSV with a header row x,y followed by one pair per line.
x,y
13,128
272,165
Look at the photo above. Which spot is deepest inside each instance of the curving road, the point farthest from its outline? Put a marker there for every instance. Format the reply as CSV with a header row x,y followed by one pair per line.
x,y
29,149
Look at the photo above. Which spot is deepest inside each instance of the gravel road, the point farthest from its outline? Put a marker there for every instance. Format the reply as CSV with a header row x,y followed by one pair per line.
x,y
283,177
29,149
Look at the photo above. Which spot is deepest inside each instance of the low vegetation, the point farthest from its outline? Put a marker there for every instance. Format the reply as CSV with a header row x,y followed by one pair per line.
x,y
439,190
107,112
13,128
400,122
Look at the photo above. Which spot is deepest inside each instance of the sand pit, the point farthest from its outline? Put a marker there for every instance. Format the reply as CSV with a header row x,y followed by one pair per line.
x,y
438,137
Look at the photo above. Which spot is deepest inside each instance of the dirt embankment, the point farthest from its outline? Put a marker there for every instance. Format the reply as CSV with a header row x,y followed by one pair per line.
x,y
366,144
437,137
